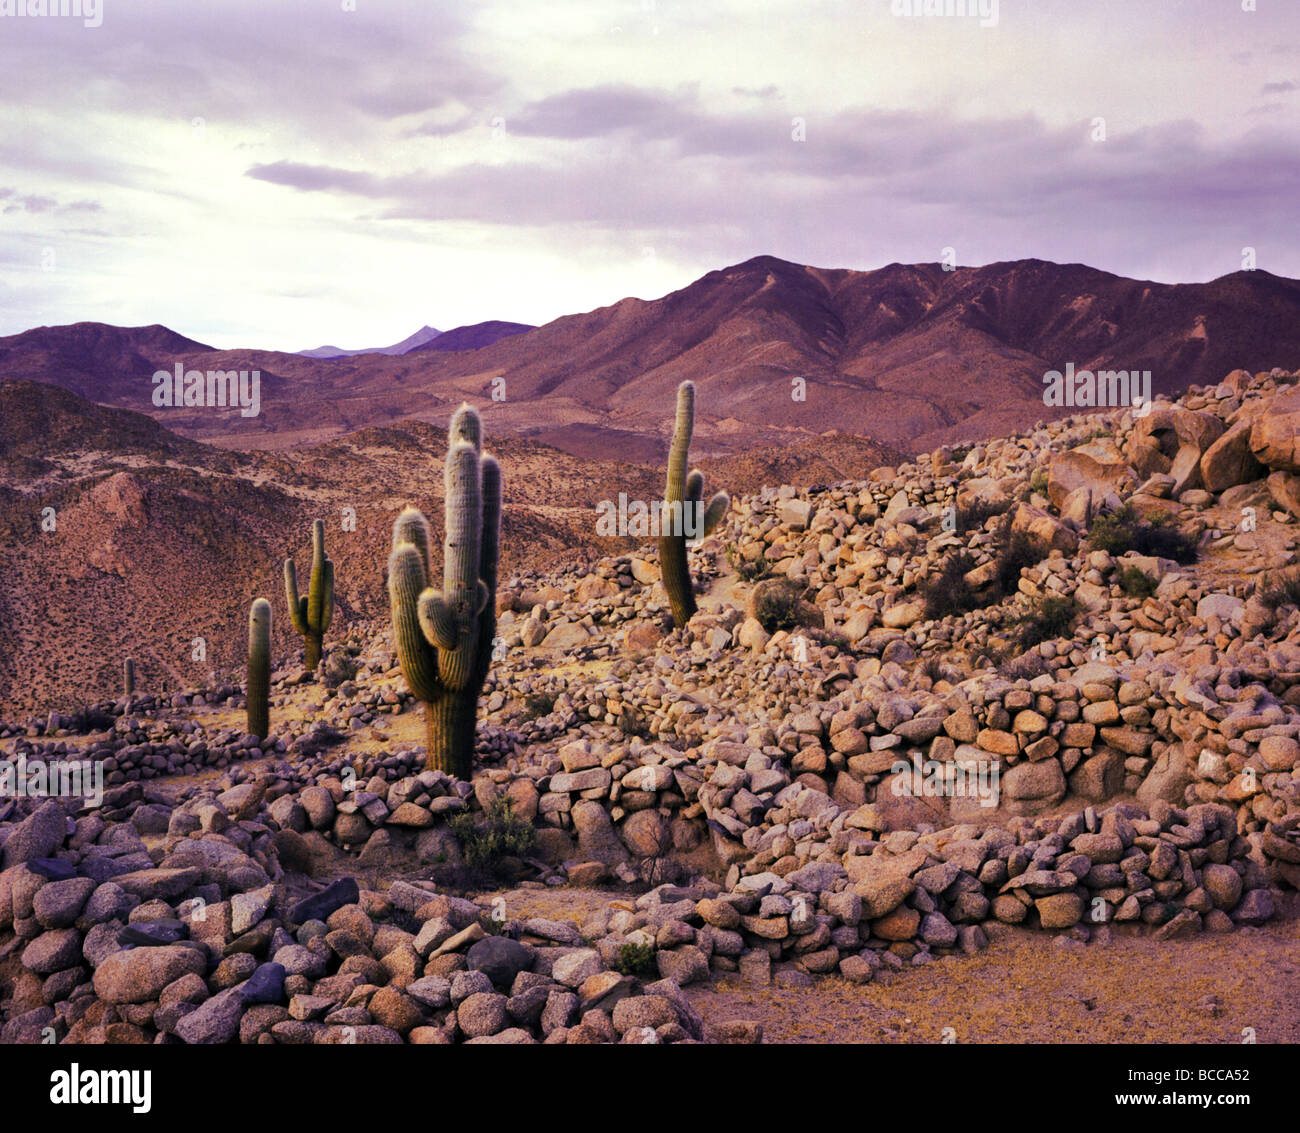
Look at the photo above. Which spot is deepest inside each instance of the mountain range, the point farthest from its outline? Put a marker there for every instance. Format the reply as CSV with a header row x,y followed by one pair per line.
x,y
911,355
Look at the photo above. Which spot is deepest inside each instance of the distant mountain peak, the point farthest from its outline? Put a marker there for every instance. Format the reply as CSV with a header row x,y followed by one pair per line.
x,y
422,336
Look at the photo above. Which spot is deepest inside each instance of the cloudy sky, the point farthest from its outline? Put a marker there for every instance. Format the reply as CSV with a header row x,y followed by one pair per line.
x,y
284,173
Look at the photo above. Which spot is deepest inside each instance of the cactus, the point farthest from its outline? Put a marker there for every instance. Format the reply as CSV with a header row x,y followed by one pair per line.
x,y
444,638
259,668
311,614
679,517
128,676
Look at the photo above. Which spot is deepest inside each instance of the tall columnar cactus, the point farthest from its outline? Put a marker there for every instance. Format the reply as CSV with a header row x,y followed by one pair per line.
x,y
259,668
680,514
444,637
311,614
128,676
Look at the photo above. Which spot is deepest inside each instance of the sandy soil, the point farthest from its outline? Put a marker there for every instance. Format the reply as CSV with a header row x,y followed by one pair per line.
x,y
1028,989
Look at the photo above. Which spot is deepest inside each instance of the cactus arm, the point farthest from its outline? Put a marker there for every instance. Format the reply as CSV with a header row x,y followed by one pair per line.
x,y
411,527
327,606
297,608
406,580
437,621
464,506
695,485
715,511
316,587
490,547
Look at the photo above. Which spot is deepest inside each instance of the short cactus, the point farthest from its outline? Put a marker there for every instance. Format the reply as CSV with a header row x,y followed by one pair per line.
x,y
444,637
311,614
683,515
259,669
128,676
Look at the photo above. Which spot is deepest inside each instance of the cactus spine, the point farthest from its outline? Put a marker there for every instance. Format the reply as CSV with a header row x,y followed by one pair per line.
x,y
679,517
259,668
444,637
311,614
128,676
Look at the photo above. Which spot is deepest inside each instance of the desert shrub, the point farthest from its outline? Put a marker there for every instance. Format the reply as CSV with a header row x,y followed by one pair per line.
x,y
539,704
1038,482
635,959
974,515
947,593
495,834
1017,553
1050,617
1136,583
1125,530
1281,589
779,604
754,571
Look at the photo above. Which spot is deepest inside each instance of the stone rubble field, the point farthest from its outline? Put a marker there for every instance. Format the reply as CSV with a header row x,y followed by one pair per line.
x,y
735,784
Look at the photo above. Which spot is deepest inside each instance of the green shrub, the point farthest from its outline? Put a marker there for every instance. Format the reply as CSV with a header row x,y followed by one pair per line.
x,y
495,834
1050,617
1137,583
1125,530
636,959
1038,482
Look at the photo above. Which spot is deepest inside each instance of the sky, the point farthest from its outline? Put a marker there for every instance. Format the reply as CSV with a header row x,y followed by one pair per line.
x,y
288,173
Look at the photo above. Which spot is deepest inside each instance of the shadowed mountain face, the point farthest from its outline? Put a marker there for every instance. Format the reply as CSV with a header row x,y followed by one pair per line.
x,y
156,539
910,355
473,337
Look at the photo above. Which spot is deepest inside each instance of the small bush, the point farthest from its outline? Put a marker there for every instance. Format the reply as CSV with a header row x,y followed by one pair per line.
x,y
488,838
948,593
636,959
1281,590
749,571
978,513
1137,583
1016,554
779,603
1050,617
539,704
1038,482
1125,530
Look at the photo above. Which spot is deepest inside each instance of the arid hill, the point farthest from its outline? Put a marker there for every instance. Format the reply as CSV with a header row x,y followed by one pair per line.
x,y
158,539
910,355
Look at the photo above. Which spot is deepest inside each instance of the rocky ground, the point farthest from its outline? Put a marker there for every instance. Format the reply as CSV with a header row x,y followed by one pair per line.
x,y
710,830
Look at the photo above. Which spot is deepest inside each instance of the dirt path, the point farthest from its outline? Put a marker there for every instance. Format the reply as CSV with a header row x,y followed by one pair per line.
x,y
1027,989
